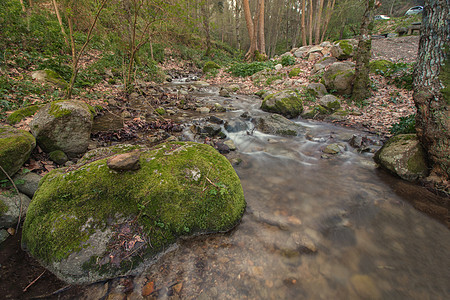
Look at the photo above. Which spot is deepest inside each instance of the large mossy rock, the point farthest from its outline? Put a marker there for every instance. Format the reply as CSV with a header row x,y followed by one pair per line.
x,y
287,103
89,222
15,149
339,77
63,125
50,76
404,156
277,125
344,49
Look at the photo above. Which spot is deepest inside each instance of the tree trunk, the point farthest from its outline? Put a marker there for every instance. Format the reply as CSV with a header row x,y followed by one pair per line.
x,y
261,38
432,89
318,22
361,84
238,24
250,29
310,21
330,7
205,17
303,23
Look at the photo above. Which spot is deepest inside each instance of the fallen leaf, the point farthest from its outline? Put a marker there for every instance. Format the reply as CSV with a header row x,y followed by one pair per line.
x,y
148,288
177,287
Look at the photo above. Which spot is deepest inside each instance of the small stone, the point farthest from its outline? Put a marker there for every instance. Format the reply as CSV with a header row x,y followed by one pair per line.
x,y
126,114
215,120
230,144
148,288
124,162
116,296
203,110
11,231
222,148
27,183
3,235
332,149
59,157
224,92
278,67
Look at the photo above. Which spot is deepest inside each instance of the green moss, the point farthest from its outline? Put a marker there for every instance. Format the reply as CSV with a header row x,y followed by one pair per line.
x,y
165,197
57,111
380,66
161,111
260,93
290,106
3,208
210,66
58,157
55,78
346,47
22,113
260,57
295,72
417,163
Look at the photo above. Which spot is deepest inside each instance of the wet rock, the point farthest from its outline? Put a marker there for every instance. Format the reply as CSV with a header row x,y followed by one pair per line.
x,y
27,183
224,92
234,87
334,149
63,125
276,124
15,149
124,162
230,144
215,120
203,110
404,156
222,147
236,125
219,108
10,205
356,141
287,103
339,77
59,157
208,129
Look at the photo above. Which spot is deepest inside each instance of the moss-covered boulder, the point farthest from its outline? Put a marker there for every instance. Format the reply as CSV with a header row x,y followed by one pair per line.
x,y
90,222
380,66
22,113
344,49
58,156
15,149
330,102
50,76
277,125
316,89
11,207
339,78
404,156
63,125
210,66
287,103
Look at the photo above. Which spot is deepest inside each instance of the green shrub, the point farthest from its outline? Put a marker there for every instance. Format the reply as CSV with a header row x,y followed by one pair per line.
x,y
295,72
248,69
210,66
287,60
405,125
400,74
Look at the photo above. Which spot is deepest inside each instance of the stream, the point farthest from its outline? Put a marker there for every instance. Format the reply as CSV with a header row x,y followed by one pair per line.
x,y
314,228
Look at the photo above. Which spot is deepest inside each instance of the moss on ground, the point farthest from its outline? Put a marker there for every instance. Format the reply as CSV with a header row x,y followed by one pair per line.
x,y
3,207
22,113
380,66
295,72
210,66
180,189
347,47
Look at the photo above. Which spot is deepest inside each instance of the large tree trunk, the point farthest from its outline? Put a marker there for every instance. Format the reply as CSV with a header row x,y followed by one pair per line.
x,y
361,84
330,7
432,89
303,23
238,24
251,30
310,25
261,38
205,19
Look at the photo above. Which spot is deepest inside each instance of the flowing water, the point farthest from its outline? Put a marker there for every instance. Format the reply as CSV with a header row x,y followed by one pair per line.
x,y
314,228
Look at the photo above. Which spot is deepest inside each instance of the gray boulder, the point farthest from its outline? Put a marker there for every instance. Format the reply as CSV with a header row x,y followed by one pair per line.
x,y
27,183
10,208
344,49
277,125
404,156
323,63
316,89
63,125
330,102
235,125
15,149
339,77
287,103
302,51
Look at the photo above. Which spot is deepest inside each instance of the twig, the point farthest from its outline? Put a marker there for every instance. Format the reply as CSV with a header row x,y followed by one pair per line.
x,y
211,182
20,198
64,288
25,289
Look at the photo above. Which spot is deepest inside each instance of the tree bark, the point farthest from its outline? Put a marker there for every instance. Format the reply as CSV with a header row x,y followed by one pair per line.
x,y
310,25
361,84
251,30
432,89
261,38
238,24
330,7
318,22
303,23
58,15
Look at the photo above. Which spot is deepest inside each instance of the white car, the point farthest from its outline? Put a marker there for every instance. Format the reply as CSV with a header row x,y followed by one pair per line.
x,y
381,17
414,10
